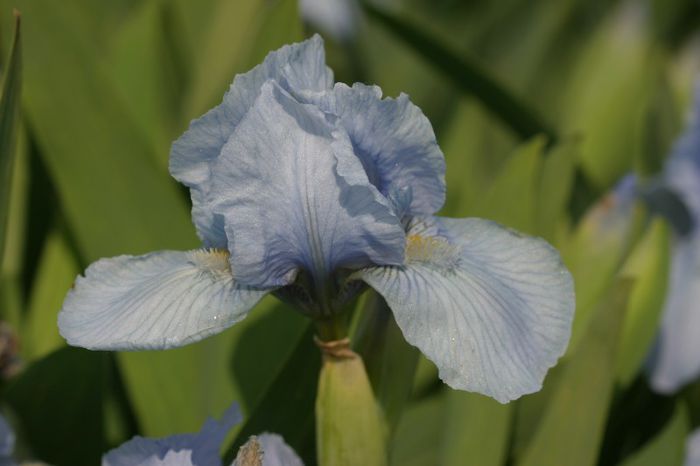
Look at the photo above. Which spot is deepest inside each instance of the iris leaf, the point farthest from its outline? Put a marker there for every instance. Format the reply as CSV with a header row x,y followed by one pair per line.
x,y
511,197
649,261
419,436
58,401
55,274
477,429
284,402
9,124
571,425
466,75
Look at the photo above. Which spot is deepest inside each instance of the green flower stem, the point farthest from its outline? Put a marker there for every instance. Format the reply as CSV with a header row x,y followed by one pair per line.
x,y
332,328
349,425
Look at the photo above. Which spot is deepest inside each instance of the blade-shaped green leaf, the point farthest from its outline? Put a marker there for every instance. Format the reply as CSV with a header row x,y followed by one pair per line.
x,y
116,198
510,199
554,188
146,59
595,253
56,272
285,402
466,75
418,439
58,401
477,430
609,89
649,266
571,427
239,36
9,125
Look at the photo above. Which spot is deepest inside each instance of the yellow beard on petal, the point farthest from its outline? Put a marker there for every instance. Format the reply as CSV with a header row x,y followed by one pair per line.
x,y
431,250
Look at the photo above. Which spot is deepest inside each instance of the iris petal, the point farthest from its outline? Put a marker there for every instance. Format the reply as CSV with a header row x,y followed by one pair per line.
x,y
295,67
491,308
294,195
197,449
156,301
395,142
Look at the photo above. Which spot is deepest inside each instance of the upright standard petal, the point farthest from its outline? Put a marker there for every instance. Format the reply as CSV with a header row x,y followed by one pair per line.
x,y
199,449
490,307
297,67
394,141
266,450
676,358
157,301
294,196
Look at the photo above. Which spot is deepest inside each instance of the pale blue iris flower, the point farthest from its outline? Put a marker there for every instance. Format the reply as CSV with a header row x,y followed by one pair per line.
x,y
201,448
313,190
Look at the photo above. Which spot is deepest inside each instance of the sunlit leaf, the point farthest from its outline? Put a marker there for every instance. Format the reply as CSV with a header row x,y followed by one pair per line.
x,y
56,272
419,436
648,264
510,199
607,93
147,61
554,188
595,253
239,36
477,430
9,126
571,427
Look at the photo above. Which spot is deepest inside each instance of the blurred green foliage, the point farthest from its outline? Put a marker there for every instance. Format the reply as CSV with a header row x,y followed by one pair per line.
x,y
539,107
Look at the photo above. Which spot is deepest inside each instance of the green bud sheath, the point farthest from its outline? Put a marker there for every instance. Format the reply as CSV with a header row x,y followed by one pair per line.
x,y
349,425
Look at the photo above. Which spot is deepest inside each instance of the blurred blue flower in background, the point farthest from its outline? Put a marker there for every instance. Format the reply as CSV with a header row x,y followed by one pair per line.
x,y
312,191
7,443
202,448
676,359
337,18
692,449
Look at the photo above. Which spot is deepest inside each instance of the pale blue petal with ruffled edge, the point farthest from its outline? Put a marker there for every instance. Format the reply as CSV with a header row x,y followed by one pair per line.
x,y
295,67
198,449
156,301
395,142
490,307
294,196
